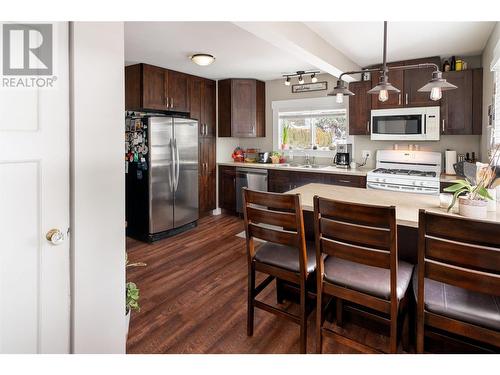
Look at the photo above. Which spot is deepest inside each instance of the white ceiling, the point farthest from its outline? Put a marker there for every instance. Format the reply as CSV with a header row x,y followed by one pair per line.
x,y
238,53
241,54
362,42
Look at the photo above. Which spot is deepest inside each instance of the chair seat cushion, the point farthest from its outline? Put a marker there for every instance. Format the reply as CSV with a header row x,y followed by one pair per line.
x,y
286,257
371,280
461,304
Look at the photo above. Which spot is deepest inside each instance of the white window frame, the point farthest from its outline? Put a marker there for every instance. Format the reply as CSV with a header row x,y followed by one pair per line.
x,y
495,68
307,104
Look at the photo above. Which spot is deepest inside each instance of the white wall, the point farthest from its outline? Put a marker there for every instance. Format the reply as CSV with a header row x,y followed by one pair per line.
x,y
488,86
98,189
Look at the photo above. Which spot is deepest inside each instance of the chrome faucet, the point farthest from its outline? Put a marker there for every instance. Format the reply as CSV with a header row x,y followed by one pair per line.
x,y
308,161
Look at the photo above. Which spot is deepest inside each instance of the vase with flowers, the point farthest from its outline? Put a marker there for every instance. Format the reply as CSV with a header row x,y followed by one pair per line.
x,y
473,193
131,293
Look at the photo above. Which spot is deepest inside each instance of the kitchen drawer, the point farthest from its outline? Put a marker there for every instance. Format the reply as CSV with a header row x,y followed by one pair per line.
x,y
346,180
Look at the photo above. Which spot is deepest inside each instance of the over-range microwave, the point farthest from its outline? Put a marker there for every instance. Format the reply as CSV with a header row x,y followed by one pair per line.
x,y
405,124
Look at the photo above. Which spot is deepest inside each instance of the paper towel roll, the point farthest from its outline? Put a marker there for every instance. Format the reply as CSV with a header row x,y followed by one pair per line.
x,y
450,159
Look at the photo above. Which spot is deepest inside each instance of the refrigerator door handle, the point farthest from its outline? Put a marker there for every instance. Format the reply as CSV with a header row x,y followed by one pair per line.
x,y
177,165
172,169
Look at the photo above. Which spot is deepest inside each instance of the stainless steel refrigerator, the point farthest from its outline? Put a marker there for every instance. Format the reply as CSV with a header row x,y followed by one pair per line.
x,y
171,177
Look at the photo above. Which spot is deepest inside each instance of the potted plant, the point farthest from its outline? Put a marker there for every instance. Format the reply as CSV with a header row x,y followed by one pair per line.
x,y
131,293
284,134
473,195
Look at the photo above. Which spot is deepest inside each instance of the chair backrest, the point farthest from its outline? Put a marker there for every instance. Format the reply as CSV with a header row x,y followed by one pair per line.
x,y
460,252
359,233
275,218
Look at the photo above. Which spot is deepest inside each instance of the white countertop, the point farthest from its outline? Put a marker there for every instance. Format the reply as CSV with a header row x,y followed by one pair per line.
x,y
407,204
329,169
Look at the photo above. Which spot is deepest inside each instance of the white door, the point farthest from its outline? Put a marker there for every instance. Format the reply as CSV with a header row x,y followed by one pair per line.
x,y
34,198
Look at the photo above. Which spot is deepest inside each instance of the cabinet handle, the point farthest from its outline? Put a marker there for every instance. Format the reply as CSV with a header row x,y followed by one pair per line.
x,y
399,99
442,125
406,98
172,105
205,131
368,127
345,181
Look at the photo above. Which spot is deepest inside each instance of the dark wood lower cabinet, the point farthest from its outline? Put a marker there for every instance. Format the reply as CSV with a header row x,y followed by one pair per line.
x,y
227,188
283,181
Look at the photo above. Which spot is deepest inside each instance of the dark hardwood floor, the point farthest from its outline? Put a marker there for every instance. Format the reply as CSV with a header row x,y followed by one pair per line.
x,y
193,298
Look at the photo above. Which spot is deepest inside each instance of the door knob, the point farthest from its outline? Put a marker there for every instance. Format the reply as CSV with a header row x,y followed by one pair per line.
x,y
55,236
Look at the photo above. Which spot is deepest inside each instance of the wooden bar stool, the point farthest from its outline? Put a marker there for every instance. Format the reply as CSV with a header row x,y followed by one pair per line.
x,y
458,279
357,261
284,255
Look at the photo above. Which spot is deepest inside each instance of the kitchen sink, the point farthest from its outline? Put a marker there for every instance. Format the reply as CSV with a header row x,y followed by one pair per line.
x,y
303,166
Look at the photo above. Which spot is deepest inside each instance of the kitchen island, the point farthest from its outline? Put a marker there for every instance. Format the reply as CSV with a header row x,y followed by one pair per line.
x,y
407,207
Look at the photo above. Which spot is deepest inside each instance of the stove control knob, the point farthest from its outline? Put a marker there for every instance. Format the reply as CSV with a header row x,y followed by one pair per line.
x,y
414,183
422,183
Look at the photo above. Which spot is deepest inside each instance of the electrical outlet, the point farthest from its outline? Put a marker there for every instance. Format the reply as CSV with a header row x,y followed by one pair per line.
x,y
366,154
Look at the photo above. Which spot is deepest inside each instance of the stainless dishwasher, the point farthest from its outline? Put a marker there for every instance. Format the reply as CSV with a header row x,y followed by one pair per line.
x,y
253,178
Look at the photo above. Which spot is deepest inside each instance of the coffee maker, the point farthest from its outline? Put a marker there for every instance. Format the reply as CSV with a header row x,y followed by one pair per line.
x,y
342,158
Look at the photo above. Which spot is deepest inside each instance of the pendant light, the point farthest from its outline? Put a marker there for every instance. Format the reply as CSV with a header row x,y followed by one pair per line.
x,y
301,80
384,88
340,91
287,81
313,78
437,85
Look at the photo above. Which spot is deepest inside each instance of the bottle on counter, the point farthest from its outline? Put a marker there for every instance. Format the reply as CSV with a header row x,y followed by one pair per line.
x,y
473,158
446,66
459,64
453,64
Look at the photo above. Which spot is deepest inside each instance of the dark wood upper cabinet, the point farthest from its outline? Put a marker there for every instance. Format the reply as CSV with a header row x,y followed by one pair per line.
x,y
414,79
208,107
153,81
396,78
177,91
359,108
477,101
241,108
152,87
456,105
195,98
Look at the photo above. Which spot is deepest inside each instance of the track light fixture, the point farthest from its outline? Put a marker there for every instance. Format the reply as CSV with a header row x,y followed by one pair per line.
x,y
301,74
384,88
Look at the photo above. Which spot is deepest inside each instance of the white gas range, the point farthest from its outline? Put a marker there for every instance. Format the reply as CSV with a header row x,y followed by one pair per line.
x,y
406,171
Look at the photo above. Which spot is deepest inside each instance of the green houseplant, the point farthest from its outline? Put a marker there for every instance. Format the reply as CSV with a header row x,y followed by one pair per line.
x,y
284,134
473,195
131,293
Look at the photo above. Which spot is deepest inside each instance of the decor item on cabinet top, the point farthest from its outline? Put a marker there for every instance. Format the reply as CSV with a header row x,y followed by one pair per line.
x,y
473,193
238,155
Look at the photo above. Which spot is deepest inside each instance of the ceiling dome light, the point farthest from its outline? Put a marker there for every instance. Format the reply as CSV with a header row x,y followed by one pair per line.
x,y
287,81
436,85
301,79
202,59
313,78
340,91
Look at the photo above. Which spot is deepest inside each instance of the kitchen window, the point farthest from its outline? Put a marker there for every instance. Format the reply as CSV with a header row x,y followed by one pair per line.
x,y
311,129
